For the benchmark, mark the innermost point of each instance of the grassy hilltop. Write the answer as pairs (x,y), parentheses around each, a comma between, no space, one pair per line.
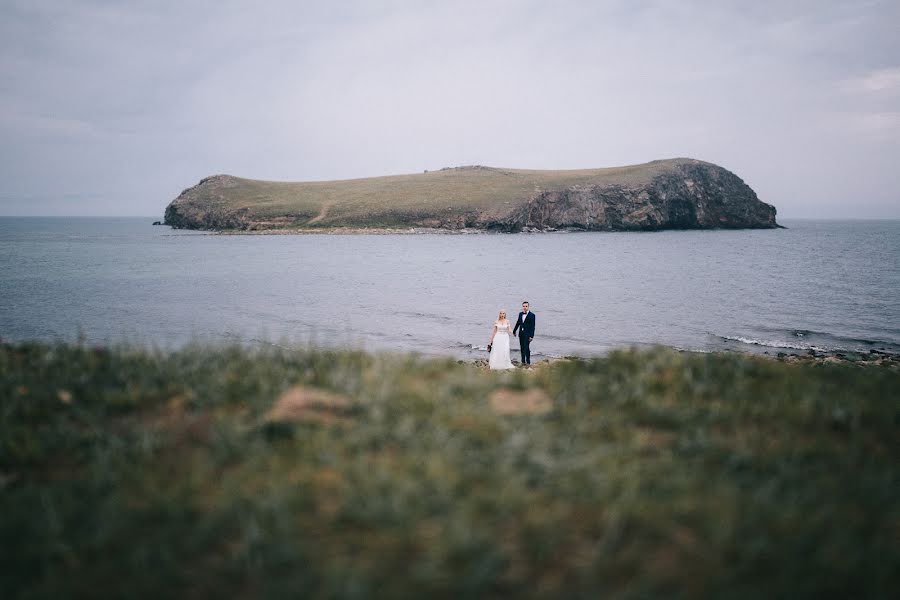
(227,472)
(677,193)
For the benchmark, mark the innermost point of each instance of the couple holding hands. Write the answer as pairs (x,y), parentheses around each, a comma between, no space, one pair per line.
(499,344)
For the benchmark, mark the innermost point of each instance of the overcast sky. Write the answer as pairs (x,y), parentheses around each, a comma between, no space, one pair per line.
(112,108)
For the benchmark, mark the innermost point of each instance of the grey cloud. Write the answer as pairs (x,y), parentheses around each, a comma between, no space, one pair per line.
(110,107)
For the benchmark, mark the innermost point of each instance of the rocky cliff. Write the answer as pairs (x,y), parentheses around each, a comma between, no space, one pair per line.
(668,194)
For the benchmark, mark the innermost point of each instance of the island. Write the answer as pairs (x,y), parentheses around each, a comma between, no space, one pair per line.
(680,193)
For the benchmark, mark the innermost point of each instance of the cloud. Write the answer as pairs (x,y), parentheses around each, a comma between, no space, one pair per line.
(878,126)
(134,102)
(879,81)
(876,95)
(37,126)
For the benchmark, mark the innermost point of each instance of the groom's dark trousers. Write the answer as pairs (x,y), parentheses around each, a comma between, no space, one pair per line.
(526,332)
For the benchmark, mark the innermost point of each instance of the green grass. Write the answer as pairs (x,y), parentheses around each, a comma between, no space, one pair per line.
(138,473)
(402,200)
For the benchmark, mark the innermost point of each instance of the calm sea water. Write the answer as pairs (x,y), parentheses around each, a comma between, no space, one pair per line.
(818,284)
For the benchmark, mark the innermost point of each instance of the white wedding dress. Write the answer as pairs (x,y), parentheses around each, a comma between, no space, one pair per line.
(500,349)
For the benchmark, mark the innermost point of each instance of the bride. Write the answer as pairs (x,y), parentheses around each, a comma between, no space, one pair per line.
(499,344)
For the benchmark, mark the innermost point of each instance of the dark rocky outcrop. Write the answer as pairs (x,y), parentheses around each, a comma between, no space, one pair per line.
(694,196)
(207,205)
(671,194)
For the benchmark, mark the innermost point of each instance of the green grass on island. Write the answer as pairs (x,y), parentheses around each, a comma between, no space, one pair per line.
(363,202)
(215,472)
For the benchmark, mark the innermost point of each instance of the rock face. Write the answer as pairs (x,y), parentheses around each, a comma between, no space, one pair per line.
(694,196)
(671,194)
(207,206)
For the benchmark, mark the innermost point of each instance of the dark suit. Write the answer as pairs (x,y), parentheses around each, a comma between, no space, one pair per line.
(526,332)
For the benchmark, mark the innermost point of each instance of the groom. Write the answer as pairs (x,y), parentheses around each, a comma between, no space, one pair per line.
(525,325)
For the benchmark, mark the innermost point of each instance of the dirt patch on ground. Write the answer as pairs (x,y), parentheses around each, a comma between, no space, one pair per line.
(322,214)
(649,438)
(515,402)
(306,404)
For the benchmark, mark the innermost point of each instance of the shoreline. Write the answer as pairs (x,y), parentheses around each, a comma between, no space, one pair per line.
(876,358)
(411,231)
(351,231)
(859,358)
(439,230)
(870,358)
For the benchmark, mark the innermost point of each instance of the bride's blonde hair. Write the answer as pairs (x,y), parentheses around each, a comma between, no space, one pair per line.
(502,314)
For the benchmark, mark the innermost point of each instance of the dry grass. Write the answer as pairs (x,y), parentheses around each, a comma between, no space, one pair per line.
(395,199)
(302,403)
(514,402)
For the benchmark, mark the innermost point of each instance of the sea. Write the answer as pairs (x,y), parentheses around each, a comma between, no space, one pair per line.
(829,286)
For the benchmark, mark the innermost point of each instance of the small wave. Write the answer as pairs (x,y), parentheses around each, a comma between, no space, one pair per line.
(423,315)
(567,339)
(773,343)
(693,350)
(805,339)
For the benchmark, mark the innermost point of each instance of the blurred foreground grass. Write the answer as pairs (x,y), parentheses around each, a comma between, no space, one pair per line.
(140,473)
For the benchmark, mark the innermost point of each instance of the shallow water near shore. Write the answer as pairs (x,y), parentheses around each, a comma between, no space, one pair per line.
(821,285)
